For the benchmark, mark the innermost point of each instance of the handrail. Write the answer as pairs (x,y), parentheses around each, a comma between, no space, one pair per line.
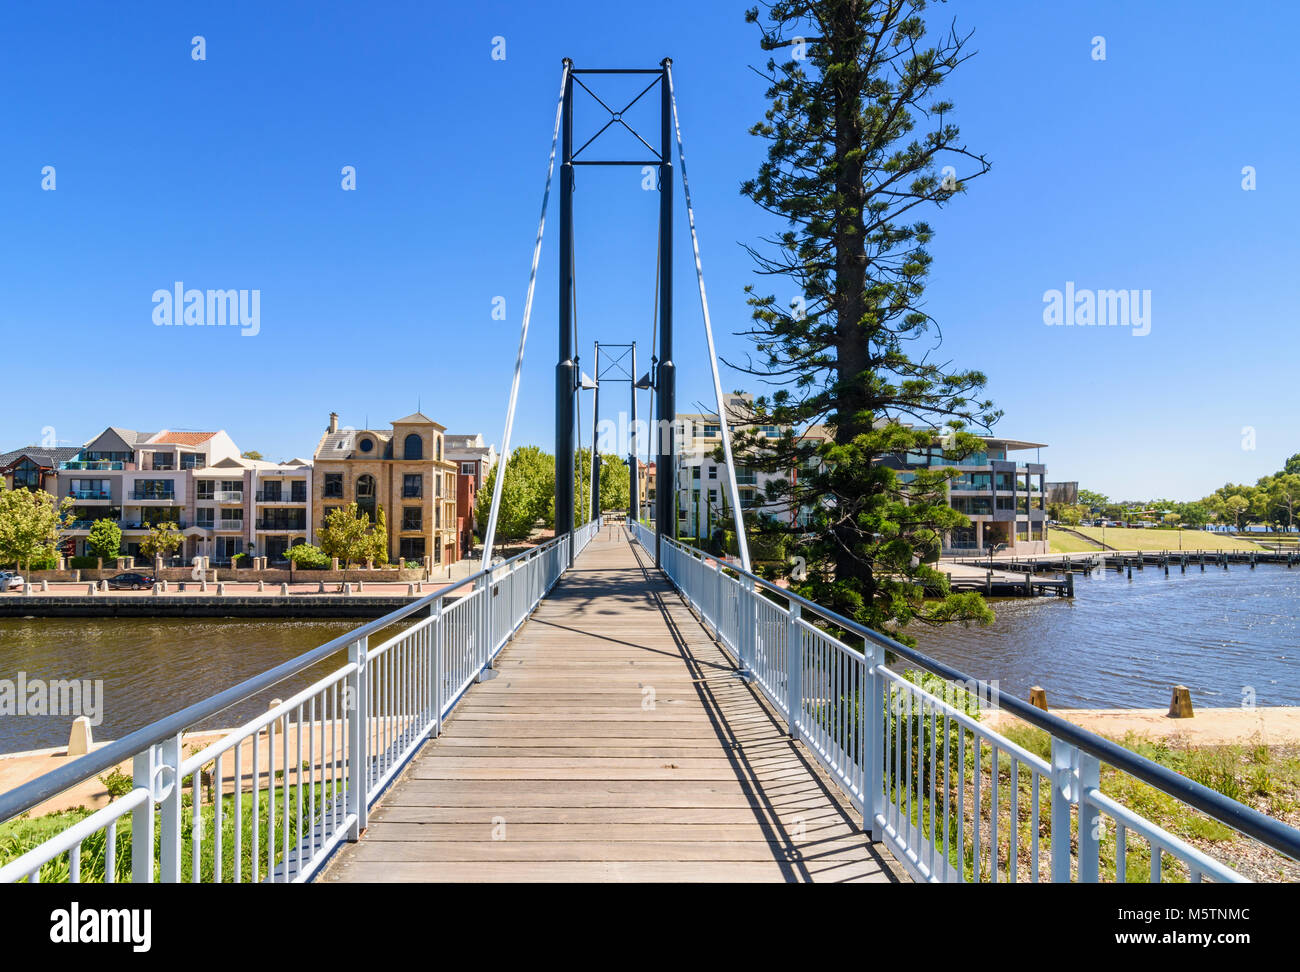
(44,787)
(1240,817)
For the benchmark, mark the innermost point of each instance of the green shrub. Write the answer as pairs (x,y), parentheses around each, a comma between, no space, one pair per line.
(117,783)
(304,556)
(86,563)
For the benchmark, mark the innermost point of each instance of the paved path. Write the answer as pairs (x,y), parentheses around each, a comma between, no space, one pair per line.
(616,744)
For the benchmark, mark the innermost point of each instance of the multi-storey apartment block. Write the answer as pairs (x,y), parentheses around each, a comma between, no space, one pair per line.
(403,469)
(1003,498)
(139,479)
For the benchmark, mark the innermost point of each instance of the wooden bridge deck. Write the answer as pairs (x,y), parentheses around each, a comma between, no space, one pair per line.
(617,744)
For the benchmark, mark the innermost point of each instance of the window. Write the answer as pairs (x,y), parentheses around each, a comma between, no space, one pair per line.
(438,440)
(412,548)
(437,516)
(412,486)
(232,485)
(711,431)
(88,489)
(298,491)
(333,486)
(695,473)
(713,472)
(413,447)
(231,516)
(271,491)
(191,460)
(153,489)
(437,486)
(468,468)
(770,430)
(366,487)
(205,489)
(412,518)
(204,517)
(164,460)
(227,547)
(27,475)
(366,445)
(326,514)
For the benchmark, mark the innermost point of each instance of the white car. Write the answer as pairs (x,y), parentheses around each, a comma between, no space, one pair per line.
(10,582)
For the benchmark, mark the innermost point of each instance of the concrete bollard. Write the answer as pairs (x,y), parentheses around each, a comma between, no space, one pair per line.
(27,588)
(1180,705)
(203,587)
(419,587)
(347,590)
(321,588)
(103,586)
(165,588)
(261,586)
(81,738)
(156,589)
(284,590)
(45,587)
(361,587)
(221,590)
(90,589)
(410,589)
(1038,697)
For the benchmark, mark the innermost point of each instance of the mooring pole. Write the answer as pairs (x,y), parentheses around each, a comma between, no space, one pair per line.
(565,383)
(666,472)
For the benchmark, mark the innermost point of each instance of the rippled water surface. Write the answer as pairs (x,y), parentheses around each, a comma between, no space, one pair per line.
(151,668)
(1123,644)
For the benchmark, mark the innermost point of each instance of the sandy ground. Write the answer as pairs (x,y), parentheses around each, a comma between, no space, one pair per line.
(1208,727)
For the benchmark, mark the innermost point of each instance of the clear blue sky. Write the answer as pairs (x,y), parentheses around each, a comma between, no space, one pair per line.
(225,173)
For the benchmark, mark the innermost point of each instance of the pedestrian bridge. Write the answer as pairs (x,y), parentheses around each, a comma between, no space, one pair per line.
(617,742)
(578,714)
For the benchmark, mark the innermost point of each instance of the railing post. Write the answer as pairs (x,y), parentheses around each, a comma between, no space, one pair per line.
(1063,786)
(873,776)
(793,669)
(717,594)
(438,639)
(169,849)
(1088,777)
(142,772)
(357,709)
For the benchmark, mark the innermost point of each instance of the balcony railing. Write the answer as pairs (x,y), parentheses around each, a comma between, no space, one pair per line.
(229,525)
(83,494)
(229,496)
(263,496)
(153,494)
(147,525)
(281,526)
(92,464)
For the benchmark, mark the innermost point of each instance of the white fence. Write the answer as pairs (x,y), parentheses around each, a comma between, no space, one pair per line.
(272,799)
(953,799)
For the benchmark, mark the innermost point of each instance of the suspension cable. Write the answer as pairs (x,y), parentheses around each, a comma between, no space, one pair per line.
(523,335)
(654,360)
(742,542)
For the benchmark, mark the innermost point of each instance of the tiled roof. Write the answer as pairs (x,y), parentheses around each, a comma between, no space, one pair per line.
(46,456)
(181,438)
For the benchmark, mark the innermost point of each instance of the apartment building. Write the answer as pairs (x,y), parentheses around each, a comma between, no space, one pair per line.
(474,459)
(403,469)
(1004,498)
(250,506)
(138,480)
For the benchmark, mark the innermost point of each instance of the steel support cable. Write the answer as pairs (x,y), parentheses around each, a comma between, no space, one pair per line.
(742,541)
(490,537)
(654,360)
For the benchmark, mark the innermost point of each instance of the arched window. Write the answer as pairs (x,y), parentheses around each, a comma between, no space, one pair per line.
(365,487)
(413,447)
(439,440)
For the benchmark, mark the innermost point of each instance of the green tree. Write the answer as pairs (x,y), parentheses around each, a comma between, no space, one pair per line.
(251,454)
(1237,508)
(530,478)
(852,177)
(304,556)
(615,488)
(161,540)
(105,539)
(379,538)
(1093,501)
(31,524)
(346,535)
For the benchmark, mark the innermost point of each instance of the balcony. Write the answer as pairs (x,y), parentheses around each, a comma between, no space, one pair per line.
(282,526)
(92,464)
(229,496)
(263,496)
(153,495)
(90,494)
(147,525)
(228,526)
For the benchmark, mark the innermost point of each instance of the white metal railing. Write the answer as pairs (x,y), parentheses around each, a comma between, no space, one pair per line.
(228,496)
(953,799)
(272,799)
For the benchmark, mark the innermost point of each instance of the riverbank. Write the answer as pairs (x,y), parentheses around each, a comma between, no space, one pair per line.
(1269,726)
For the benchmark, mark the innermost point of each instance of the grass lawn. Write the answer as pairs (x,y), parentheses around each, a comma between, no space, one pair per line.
(1121,538)
(1062,542)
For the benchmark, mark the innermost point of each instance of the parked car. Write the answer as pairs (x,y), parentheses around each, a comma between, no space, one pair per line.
(10,582)
(132,581)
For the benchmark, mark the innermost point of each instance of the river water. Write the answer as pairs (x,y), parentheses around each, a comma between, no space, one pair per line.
(1118,643)
(1229,635)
